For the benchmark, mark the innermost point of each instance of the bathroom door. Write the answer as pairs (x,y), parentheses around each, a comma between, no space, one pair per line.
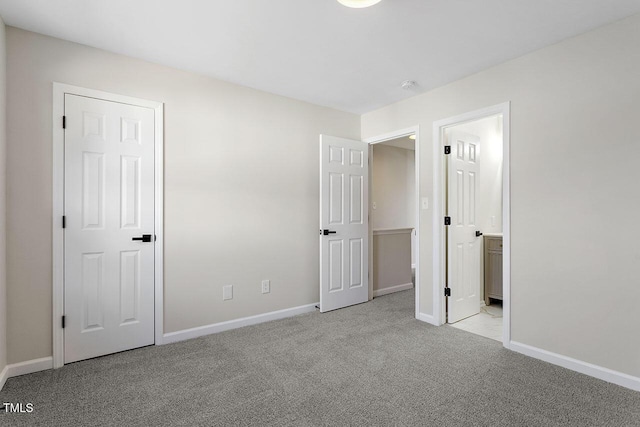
(463,245)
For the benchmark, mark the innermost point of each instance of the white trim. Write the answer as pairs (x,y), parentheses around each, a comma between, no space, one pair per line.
(59,91)
(24,368)
(4,376)
(29,367)
(215,328)
(392,289)
(385,231)
(576,365)
(428,319)
(414,130)
(159,223)
(506,224)
(58,234)
(438,203)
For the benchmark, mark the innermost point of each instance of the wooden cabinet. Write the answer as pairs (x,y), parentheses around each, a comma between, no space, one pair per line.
(492,268)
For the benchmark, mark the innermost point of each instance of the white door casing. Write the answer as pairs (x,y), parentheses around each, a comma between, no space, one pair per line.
(440,178)
(344,212)
(415,130)
(464,247)
(108,201)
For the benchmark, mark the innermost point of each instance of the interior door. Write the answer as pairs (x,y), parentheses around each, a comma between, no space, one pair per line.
(109,234)
(463,245)
(344,222)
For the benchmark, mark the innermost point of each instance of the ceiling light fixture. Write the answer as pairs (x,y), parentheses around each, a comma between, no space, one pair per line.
(358,3)
(412,137)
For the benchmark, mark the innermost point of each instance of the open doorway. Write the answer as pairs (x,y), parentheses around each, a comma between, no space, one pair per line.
(345,229)
(473,191)
(393,214)
(471,255)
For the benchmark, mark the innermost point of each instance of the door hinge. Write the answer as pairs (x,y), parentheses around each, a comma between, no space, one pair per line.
(447,220)
(64,122)
(63,321)
(447,292)
(447,149)
(64,221)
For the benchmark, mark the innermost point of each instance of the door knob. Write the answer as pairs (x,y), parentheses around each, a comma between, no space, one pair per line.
(143,238)
(478,233)
(327,232)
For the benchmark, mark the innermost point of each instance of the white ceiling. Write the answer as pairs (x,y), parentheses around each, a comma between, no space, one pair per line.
(318,50)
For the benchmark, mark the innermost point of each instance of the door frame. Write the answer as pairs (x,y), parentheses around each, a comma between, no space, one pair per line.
(439,252)
(413,130)
(59,92)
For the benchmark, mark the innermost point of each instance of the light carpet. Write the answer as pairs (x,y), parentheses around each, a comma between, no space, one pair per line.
(372,364)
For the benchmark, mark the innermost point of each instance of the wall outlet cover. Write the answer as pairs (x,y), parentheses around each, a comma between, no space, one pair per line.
(227,292)
(266,286)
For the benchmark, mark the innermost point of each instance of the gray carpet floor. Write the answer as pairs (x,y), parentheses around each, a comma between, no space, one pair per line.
(372,364)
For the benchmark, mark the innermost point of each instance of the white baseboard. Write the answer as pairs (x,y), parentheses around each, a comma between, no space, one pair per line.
(586,368)
(428,319)
(215,328)
(392,289)
(30,366)
(4,375)
(24,368)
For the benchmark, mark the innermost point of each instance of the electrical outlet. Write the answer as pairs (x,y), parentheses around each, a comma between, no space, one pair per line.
(425,203)
(227,292)
(266,286)
(374,206)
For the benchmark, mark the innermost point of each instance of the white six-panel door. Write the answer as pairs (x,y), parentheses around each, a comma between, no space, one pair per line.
(464,247)
(109,202)
(344,213)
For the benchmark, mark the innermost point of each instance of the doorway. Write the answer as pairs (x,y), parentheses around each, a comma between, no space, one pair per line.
(394,228)
(471,237)
(392,215)
(345,229)
(107,223)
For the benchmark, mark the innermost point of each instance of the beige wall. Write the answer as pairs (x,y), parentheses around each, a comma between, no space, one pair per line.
(3,206)
(574,197)
(393,187)
(241,187)
(391,259)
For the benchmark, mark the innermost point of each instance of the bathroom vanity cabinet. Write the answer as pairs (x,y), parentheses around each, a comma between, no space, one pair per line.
(492,267)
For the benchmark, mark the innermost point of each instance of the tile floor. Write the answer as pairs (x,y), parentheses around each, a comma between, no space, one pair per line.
(488,323)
